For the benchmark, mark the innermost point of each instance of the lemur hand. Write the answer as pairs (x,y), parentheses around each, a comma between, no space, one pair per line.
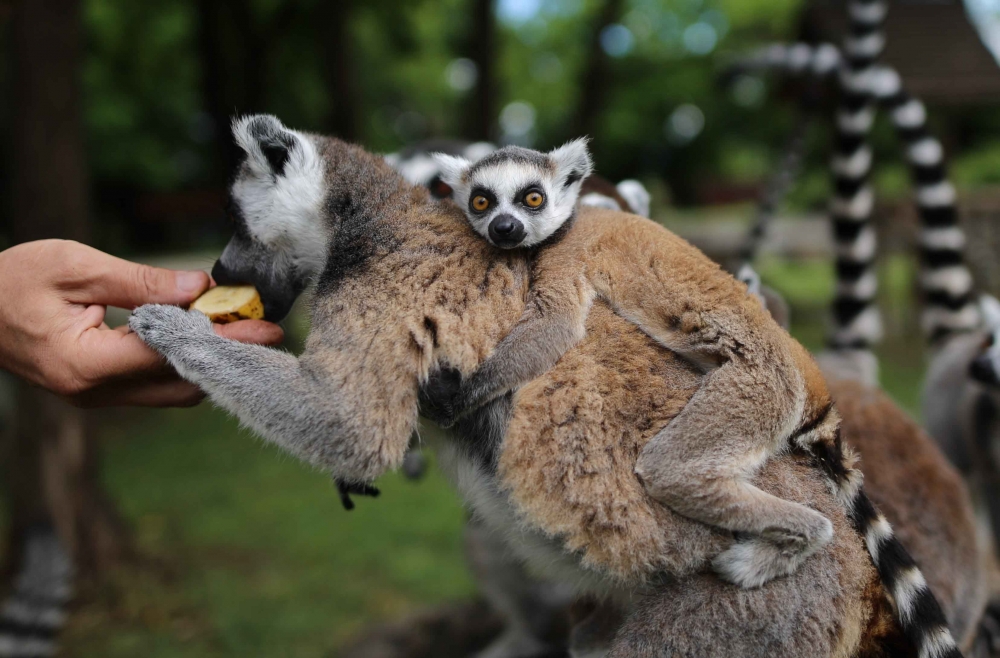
(345,489)
(441,397)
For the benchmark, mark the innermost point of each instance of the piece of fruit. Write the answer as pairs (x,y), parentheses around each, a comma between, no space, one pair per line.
(224,304)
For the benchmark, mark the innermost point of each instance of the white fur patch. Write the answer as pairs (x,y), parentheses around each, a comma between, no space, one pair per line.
(910,114)
(989,306)
(867,13)
(909,585)
(937,642)
(884,82)
(596,200)
(28,647)
(951,237)
(936,317)
(877,534)
(927,152)
(856,123)
(865,288)
(869,45)
(826,59)
(937,195)
(859,207)
(637,196)
(867,326)
(955,280)
(799,56)
(283,211)
(856,165)
(862,248)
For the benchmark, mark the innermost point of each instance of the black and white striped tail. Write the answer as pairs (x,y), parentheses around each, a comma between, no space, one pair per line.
(915,607)
(34,612)
(945,279)
(857,322)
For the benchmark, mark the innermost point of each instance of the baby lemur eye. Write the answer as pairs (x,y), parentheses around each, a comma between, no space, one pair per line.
(480,203)
(533,199)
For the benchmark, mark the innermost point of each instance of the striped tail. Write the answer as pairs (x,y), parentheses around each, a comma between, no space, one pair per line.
(34,612)
(945,279)
(917,611)
(857,323)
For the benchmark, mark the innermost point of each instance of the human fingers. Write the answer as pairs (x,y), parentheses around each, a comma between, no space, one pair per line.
(93,277)
(257,332)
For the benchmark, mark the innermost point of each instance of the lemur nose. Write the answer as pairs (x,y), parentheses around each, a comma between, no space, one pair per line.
(504,226)
(223,276)
(506,231)
(984,370)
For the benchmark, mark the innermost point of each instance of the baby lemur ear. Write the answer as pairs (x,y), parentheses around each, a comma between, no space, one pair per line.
(269,145)
(452,168)
(572,162)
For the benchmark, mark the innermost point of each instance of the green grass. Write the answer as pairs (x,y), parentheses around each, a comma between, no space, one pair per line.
(249,553)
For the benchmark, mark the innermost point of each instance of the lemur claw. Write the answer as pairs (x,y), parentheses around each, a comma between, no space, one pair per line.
(346,489)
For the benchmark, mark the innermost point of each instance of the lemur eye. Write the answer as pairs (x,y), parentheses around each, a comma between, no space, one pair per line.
(534,199)
(480,203)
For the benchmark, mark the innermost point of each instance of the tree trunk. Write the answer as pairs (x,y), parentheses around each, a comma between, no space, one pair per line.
(338,66)
(482,116)
(594,80)
(52,460)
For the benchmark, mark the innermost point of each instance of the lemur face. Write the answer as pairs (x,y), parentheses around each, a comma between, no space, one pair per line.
(275,203)
(985,368)
(516,197)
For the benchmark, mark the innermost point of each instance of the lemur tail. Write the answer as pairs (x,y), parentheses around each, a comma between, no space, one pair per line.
(945,279)
(917,611)
(34,612)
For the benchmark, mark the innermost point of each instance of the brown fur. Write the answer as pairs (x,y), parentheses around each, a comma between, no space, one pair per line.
(409,287)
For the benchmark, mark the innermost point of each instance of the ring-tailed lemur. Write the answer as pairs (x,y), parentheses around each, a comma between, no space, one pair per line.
(530,197)
(418,166)
(377,248)
(519,197)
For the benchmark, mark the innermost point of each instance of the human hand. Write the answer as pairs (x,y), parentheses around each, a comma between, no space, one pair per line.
(53,298)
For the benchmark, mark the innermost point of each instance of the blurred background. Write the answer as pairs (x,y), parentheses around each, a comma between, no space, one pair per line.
(189,536)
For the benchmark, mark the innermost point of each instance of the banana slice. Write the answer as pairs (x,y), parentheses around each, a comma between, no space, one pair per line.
(224,304)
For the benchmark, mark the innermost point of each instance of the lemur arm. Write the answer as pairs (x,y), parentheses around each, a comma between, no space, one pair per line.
(295,403)
(553,321)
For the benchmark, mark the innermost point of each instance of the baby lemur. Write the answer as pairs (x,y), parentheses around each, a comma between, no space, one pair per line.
(754,404)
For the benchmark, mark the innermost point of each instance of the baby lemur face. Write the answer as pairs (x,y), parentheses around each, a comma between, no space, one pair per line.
(517,197)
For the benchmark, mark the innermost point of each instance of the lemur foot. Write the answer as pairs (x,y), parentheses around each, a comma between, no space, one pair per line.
(346,489)
(776,552)
(164,328)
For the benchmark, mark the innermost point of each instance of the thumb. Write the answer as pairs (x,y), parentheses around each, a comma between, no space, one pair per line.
(98,278)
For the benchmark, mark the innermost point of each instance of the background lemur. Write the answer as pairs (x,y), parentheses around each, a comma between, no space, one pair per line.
(518,197)
(315,209)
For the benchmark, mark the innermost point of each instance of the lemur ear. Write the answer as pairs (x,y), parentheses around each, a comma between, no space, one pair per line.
(572,162)
(453,168)
(269,145)
(989,306)
(637,196)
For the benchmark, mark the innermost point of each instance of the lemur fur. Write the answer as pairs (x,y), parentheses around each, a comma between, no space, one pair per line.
(763,399)
(405,287)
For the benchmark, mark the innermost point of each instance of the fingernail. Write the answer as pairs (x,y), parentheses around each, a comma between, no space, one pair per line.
(190,281)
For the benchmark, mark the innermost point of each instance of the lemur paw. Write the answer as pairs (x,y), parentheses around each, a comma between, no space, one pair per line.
(164,327)
(440,397)
(346,489)
(754,561)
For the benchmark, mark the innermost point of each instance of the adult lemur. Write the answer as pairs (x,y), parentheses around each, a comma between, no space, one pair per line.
(403,286)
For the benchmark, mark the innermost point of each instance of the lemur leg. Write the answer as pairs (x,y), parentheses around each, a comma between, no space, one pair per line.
(705,476)
(553,321)
(294,403)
